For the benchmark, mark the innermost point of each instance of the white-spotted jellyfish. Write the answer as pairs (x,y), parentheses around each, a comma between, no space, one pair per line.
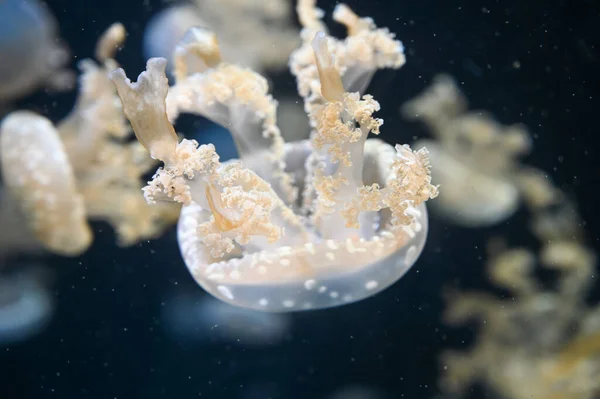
(305,225)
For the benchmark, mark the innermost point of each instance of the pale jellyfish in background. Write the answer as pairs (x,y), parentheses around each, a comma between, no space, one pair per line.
(297,226)
(39,177)
(256,34)
(26,305)
(542,340)
(167,28)
(197,317)
(83,167)
(31,53)
(474,157)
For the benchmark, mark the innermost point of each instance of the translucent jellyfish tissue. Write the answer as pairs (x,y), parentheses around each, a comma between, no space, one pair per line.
(304,225)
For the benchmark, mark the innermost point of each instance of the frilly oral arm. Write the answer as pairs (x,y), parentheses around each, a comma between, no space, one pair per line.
(356,58)
(234,97)
(342,127)
(242,205)
(366,49)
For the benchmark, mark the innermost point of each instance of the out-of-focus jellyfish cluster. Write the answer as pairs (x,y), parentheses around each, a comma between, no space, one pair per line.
(84,167)
(255,34)
(304,225)
(32,54)
(543,339)
(538,342)
(475,159)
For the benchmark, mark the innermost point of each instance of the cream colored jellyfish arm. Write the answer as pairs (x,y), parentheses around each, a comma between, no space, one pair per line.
(110,41)
(241,204)
(37,174)
(343,125)
(97,115)
(234,97)
(365,50)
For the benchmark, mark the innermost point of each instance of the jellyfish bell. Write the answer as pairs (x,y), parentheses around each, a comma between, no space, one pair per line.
(257,34)
(37,173)
(310,275)
(470,197)
(30,51)
(167,28)
(26,306)
(474,157)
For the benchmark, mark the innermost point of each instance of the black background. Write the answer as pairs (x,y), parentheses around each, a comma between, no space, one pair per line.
(107,339)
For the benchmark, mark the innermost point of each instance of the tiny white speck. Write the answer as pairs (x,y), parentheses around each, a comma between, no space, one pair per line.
(371,285)
(347,298)
(225,292)
(263,302)
(310,284)
(334,294)
(322,289)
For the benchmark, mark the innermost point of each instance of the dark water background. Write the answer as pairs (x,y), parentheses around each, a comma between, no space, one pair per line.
(108,339)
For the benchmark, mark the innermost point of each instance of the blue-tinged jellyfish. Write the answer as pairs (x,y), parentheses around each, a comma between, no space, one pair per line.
(31,52)
(201,318)
(256,34)
(26,306)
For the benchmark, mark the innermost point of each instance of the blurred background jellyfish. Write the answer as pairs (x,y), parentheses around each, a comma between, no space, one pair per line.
(83,167)
(256,34)
(200,318)
(473,157)
(26,304)
(542,340)
(32,54)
